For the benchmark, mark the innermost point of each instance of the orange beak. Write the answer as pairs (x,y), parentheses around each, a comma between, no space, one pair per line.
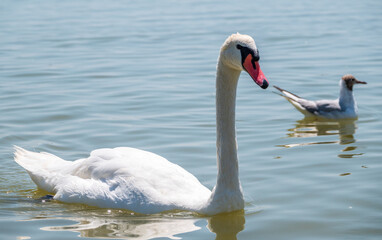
(253,69)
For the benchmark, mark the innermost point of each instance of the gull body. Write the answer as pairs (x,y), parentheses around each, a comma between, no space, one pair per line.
(344,107)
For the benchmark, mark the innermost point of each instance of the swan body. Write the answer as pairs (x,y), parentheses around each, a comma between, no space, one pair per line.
(144,182)
(345,107)
(122,177)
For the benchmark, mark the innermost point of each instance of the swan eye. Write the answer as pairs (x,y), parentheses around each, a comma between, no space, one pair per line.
(245,51)
(256,57)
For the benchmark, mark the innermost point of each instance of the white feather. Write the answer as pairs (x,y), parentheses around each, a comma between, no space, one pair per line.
(142,181)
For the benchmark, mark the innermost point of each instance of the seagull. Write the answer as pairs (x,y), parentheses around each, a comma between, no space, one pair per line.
(345,107)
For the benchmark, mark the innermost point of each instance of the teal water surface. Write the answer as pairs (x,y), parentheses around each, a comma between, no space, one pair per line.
(81,75)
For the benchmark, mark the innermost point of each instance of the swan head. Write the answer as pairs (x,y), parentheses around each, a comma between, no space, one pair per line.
(349,81)
(240,53)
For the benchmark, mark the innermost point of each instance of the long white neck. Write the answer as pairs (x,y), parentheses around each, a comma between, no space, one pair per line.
(227,194)
(346,99)
(226,83)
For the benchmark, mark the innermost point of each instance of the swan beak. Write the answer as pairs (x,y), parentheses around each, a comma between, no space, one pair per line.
(254,70)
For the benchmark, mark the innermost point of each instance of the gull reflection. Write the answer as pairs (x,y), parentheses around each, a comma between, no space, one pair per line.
(309,128)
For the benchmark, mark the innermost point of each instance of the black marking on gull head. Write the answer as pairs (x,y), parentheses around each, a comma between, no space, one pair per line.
(349,81)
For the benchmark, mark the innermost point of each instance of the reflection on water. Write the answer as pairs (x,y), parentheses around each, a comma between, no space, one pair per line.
(312,128)
(123,224)
(308,128)
(227,226)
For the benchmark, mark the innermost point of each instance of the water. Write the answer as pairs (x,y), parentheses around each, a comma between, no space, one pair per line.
(81,75)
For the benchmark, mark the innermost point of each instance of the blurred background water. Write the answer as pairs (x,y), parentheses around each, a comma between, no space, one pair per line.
(81,75)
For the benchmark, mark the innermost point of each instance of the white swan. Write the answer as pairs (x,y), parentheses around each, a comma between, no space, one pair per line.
(344,107)
(144,182)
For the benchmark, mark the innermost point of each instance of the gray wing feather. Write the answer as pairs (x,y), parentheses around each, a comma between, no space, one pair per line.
(314,107)
(319,107)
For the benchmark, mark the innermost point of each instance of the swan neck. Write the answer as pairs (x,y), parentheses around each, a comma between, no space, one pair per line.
(227,195)
(227,161)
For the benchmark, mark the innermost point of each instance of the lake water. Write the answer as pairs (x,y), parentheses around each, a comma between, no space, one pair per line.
(81,75)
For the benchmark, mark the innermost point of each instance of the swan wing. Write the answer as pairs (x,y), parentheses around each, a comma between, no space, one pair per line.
(125,178)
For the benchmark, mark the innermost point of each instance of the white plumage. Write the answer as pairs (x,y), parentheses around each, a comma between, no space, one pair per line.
(122,177)
(144,182)
(345,107)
